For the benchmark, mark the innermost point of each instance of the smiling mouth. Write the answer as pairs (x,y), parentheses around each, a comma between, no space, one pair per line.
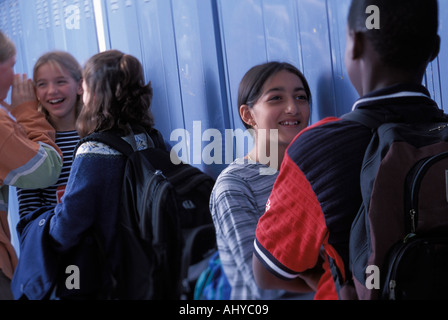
(56,101)
(289,123)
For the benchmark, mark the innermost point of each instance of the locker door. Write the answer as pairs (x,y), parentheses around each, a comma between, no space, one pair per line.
(176,42)
(307,33)
(441,64)
(37,26)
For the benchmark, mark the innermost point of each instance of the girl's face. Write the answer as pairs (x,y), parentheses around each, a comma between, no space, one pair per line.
(283,105)
(57,91)
(6,76)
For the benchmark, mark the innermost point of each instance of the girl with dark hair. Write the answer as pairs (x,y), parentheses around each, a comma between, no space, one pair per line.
(117,96)
(266,108)
(273,97)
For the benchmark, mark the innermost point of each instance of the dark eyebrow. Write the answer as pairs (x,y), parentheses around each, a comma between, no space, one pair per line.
(283,89)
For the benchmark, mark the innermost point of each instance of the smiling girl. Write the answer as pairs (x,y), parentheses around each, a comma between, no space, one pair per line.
(272,98)
(58,81)
(280,105)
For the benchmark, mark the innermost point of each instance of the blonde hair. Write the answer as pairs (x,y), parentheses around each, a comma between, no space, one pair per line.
(61,60)
(7,48)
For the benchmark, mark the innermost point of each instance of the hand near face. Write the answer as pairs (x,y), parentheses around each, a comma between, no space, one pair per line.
(22,91)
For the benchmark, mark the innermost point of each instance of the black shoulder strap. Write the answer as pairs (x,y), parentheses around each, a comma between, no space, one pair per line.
(157,139)
(368,118)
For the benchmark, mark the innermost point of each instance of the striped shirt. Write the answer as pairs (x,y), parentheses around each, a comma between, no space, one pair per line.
(31,199)
(237,201)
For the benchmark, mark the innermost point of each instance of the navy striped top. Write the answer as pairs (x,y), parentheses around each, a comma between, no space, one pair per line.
(31,199)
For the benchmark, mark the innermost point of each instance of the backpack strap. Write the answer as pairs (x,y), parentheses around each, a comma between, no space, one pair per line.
(369,118)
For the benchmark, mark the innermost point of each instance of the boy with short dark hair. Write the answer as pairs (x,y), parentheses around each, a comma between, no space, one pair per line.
(317,193)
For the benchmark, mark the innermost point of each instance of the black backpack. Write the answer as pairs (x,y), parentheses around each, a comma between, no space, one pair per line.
(399,239)
(165,227)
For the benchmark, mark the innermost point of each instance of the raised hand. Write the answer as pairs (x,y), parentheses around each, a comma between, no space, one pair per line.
(22,91)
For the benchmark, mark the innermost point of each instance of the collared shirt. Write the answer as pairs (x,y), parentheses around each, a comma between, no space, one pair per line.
(317,193)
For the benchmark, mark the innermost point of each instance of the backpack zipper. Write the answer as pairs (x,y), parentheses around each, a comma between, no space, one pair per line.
(146,195)
(439,128)
(398,253)
(392,285)
(415,187)
(164,184)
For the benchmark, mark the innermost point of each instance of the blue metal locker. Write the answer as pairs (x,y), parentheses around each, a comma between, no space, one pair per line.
(195,53)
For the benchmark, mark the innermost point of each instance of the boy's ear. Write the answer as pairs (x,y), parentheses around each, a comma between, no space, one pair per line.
(356,44)
(436,50)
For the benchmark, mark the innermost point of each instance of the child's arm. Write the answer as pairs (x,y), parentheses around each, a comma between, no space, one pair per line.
(28,154)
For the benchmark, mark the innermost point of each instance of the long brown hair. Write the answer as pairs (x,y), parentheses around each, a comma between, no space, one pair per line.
(61,60)
(118,95)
